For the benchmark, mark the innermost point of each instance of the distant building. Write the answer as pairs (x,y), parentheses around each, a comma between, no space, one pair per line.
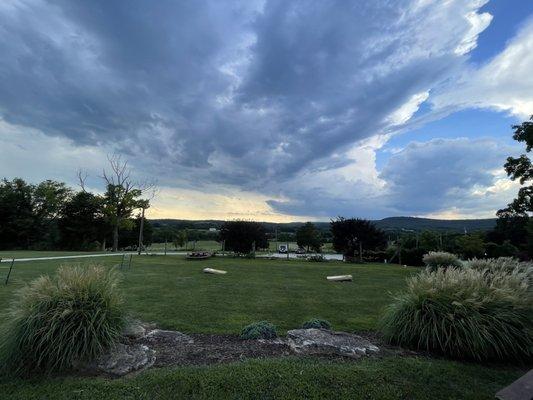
(213,229)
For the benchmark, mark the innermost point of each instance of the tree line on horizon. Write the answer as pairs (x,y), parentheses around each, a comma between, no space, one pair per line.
(50,215)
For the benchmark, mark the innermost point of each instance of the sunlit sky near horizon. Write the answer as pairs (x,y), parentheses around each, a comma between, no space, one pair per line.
(273,110)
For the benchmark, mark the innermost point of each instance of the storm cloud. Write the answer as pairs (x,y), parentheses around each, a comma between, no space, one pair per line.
(258,95)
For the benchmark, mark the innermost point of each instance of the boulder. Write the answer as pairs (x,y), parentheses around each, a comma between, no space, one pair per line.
(123,359)
(134,330)
(323,341)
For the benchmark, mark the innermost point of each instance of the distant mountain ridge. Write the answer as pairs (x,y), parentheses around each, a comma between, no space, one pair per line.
(388,224)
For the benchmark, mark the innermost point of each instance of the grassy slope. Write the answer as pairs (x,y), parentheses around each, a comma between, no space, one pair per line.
(174,293)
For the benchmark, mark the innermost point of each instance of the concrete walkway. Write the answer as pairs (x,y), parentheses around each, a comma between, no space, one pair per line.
(8,260)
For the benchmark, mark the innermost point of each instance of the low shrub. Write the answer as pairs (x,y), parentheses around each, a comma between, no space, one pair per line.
(441,259)
(55,323)
(462,314)
(316,323)
(259,330)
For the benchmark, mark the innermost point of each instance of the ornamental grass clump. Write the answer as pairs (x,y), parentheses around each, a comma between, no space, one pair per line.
(464,314)
(57,323)
(441,259)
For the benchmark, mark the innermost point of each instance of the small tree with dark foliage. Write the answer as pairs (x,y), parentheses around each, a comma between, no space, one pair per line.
(349,234)
(307,236)
(239,236)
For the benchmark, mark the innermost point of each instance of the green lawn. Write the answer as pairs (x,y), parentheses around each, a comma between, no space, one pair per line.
(173,292)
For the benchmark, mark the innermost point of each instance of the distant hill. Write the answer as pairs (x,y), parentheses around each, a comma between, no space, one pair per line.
(421,224)
(388,224)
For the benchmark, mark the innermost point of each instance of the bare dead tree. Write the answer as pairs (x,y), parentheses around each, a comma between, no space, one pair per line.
(82,178)
(123,195)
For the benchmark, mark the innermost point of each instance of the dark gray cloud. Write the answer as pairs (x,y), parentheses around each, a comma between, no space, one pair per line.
(246,93)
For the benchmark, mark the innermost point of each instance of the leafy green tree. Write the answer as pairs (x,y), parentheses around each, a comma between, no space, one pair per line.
(518,213)
(521,169)
(82,226)
(349,233)
(470,246)
(16,214)
(49,198)
(307,236)
(240,236)
(180,238)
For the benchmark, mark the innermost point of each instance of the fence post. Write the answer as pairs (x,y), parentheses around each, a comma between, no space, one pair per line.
(10,268)
(129,264)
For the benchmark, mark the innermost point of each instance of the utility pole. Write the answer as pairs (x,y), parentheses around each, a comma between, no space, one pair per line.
(141,233)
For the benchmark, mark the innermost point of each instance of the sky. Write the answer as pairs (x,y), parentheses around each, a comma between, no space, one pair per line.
(272,110)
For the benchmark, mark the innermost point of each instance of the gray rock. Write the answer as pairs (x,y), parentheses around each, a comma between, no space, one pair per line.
(169,337)
(123,359)
(134,330)
(323,341)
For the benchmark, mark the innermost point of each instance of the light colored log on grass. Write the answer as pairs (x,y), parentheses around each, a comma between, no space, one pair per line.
(214,271)
(340,278)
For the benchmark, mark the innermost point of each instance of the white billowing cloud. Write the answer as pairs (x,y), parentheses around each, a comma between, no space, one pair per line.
(505,83)
(449,176)
(478,23)
(406,111)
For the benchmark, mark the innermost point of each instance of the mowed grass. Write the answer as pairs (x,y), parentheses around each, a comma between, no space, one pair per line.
(175,294)
(378,379)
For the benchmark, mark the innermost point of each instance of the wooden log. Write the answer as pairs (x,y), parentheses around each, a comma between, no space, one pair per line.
(340,278)
(214,271)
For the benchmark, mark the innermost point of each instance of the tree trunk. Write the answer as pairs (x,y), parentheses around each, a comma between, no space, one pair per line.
(115,238)
(140,246)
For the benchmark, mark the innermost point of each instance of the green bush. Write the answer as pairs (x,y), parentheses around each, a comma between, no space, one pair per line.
(316,323)
(462,314)
(55,323)
(259,330)
(441,259)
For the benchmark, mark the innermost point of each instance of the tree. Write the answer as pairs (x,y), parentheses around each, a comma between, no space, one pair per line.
(308,236)
(122,196)
(240,236)
(82,226)
(521,169)
(470,246)
(349,234)
(49,198)
(16,214)
(180,238)
(515,219)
